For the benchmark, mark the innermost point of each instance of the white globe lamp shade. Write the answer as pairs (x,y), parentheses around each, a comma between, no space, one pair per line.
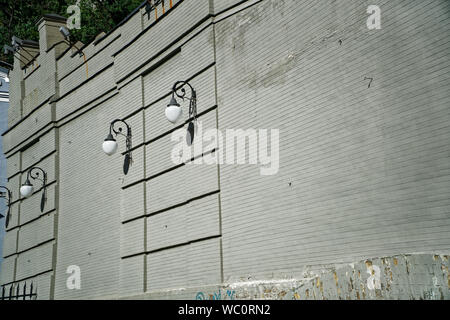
(109,145)
(173,111)
(26,189)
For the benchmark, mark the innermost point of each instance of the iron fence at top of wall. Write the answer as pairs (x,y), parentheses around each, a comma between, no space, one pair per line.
(159,7)
(13,293)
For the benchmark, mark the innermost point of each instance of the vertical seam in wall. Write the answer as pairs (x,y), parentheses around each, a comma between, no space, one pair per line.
(19,203)
(145,186)
(18,220)
(22,96)
(56,199)
(218,165)
(56,219)
(16,258)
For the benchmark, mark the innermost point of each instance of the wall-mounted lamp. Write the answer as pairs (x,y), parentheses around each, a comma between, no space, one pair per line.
(17,44)
(18,47)
(7,195)
(66,35)
(65,32)
(174,111)
(27,188)
(7,49)
(110,144)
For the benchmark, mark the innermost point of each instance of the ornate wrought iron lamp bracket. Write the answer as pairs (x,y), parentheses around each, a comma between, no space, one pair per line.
(117,126)
(179,86)
(34,173)
(7,195)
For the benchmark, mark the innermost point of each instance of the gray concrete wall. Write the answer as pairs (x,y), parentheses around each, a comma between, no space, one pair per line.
(364,170)
(4,90)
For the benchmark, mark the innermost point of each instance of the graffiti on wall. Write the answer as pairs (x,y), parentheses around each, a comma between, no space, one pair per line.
(217,295)
(417,276)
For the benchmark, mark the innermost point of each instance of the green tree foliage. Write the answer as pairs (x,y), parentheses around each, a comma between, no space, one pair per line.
(19,17)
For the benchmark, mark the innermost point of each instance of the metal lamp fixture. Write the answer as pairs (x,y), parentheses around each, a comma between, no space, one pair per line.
(110,143)
(174,111)
(7,195)
(66,34)
(18,47)
(7,49)
(27,188)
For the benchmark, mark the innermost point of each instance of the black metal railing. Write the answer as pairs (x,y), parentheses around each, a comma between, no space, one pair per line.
(159,7)
(13,292)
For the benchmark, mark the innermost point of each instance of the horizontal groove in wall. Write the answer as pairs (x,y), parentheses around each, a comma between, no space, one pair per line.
(30,248)
(161,62)
(26,116)
(168,170)
(30,221)
(165,96)
(165,171)
(34,164)
(181,125)
(235,12)
(188,79)
(47,128)
(29,144)
(35,192)
(232,7)
(84,82)
(181,164)
(146,29)
(59,124)
(172,207)
(172,246)
(33,71)
(29,277)
(164,49)
(87,60)
(179,47)
(171,130)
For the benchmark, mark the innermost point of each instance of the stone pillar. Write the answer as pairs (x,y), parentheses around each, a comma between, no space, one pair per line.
(49,35)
